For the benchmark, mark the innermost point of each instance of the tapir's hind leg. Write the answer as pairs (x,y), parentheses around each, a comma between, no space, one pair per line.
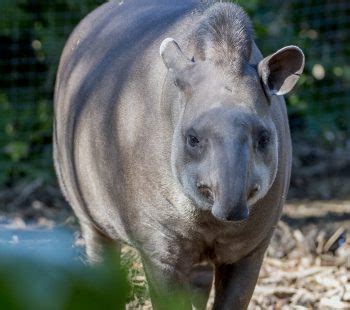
(96,244)
(201,282)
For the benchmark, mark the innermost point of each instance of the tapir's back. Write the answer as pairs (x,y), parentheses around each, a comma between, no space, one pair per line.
(108,84)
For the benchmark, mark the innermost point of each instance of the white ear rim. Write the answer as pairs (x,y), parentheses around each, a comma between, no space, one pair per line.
(297,48)
(172,55)
(299,72)
(265,74)
(164,45)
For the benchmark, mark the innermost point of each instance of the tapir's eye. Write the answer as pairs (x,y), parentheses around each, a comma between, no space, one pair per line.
(192,141)
(263,140)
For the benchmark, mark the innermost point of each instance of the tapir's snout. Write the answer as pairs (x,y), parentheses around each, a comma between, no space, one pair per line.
(225,210)
(238,212)
(228,182)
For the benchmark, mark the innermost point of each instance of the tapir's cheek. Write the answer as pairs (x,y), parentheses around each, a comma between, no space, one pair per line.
(270,156)
(265,169)
(188,175)
(273,165)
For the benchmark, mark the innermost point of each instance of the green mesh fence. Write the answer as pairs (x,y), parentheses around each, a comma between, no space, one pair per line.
(319,106)
(32,35)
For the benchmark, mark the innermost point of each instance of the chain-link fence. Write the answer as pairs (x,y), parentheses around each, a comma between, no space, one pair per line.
(33,32)
(321,28)
(32,35)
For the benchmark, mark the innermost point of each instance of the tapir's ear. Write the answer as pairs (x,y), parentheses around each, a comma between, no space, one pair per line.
(280,71)
(175,61)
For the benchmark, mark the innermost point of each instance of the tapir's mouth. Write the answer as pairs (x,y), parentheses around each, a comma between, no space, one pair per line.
(206,192)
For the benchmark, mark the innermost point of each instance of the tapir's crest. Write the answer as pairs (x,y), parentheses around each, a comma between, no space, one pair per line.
(186,156)
(224,36)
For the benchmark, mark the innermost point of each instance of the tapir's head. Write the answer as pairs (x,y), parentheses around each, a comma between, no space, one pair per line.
(225,145)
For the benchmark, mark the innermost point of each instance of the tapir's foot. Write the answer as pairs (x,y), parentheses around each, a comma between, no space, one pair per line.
(201,280)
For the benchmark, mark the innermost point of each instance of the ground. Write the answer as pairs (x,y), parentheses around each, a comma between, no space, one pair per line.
(308,262)
(307,265)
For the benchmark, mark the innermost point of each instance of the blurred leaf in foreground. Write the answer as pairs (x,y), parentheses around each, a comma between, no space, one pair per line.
(28,284)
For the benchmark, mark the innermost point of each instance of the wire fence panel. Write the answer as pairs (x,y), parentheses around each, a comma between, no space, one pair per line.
(32,35)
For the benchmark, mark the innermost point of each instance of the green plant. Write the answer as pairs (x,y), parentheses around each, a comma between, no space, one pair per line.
(30,284)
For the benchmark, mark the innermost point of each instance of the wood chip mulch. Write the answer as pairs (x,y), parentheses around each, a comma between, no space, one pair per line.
(306,271)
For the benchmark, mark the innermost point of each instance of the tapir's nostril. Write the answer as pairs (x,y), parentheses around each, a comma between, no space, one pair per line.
(254,191)
(206,192)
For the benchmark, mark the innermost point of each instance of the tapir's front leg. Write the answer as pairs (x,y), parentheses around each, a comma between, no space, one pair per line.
(167,285)
(235,283)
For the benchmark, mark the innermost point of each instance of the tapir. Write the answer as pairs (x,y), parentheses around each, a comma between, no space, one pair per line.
(171,135)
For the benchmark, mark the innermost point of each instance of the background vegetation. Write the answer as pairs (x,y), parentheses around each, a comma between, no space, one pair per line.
(33,32)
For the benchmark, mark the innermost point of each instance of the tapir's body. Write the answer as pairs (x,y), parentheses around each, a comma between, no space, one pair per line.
(115,115)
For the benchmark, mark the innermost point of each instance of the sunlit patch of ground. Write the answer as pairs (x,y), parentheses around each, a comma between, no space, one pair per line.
(308,262)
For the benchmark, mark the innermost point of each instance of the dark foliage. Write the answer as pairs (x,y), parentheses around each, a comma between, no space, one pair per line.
(33,32)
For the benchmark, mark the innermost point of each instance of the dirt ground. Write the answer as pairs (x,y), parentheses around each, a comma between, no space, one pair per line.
(307,265)
(308,262)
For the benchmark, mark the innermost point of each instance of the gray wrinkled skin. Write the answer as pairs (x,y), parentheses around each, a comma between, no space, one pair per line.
(179,148)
